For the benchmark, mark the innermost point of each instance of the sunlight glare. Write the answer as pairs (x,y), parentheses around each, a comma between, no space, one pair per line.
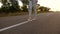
(53,4)
(1,4)
(20,3)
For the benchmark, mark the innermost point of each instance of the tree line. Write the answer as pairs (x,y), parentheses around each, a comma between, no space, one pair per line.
(13,6)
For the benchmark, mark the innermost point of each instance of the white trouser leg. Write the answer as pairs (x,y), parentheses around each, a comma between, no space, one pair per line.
(30,9)
(35,11)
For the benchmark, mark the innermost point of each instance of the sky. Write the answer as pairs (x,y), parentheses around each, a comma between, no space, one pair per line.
(53,4)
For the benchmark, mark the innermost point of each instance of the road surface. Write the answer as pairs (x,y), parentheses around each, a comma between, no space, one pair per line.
(46,23)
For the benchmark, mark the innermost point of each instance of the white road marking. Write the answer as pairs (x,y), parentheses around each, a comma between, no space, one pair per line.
(6,28)
(49,14)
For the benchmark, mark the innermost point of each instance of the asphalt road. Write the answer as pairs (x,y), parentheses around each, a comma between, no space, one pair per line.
(46,23)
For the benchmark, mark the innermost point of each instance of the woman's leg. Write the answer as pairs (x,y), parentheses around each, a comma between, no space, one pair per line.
(35,9)
(30,10)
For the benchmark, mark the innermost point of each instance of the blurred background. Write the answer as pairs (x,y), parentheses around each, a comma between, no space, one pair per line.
(20,7)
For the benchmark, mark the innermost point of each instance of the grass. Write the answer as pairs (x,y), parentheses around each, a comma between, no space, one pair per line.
(16,14)
(13,14)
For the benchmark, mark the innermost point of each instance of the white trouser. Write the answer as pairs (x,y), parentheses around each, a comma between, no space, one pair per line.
(32,5)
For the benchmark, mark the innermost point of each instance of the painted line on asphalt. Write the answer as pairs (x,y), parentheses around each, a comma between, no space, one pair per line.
(49,14)
(6,28)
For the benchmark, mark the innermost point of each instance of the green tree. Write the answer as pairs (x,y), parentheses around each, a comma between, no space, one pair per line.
(9,5)
(42,8)
(4,2)
(25,9)
(15,4)
(25,3)
(38,6)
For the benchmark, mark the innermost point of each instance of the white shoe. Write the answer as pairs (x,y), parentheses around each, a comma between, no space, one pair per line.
(29,19)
